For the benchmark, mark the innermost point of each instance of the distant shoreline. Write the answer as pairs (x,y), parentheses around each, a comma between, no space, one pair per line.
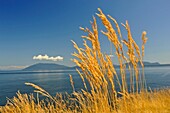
(35,72)
(61,71)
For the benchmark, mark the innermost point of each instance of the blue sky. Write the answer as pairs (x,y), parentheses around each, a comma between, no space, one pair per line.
(33,27)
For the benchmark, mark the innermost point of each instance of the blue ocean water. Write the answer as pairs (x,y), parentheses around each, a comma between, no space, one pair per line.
(11,82)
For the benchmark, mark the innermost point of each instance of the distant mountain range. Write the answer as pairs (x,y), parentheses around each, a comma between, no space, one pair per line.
(46,66)
(53,66)
(149,64)
(154,64)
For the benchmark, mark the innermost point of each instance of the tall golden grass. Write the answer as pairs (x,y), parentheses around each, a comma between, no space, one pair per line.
(108,91)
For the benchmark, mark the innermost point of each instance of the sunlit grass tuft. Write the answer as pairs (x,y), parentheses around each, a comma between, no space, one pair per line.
(106,89)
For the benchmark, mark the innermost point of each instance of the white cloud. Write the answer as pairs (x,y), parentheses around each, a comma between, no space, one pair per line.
(111,55)
(46,57)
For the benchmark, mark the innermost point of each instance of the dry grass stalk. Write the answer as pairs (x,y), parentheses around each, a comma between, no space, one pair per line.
(97,67)
(40,90)
(72,83)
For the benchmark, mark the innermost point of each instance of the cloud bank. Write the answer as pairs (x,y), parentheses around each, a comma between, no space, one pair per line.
(12,67)
(46,57)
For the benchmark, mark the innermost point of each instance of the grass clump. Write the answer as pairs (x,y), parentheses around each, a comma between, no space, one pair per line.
(105,91)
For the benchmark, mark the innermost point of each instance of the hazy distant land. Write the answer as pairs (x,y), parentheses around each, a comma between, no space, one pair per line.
(54,68)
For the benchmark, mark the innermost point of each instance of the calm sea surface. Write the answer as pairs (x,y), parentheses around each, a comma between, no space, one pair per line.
(11,82)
